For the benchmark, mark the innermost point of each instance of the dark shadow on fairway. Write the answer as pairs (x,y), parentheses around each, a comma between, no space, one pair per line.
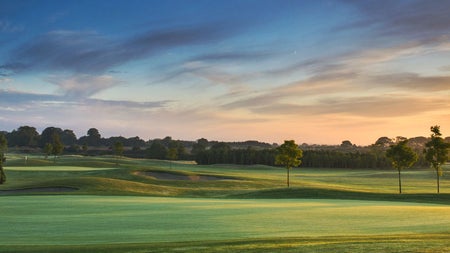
(55,189)
(162,175)
(317,193)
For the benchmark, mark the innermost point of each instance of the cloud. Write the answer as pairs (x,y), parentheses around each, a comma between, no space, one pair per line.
(412,81)
(387,95)
(233,56)
(5,80)
(89,52)
(418,20)
(370,107)
(62,50)
(132,105)
(34,101)
(12,97)
(82,85)
(445,68)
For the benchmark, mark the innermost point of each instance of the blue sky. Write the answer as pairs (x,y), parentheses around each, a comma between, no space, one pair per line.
(313,71)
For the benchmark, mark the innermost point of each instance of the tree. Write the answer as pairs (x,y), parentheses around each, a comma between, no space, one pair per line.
(118,148)
(288,155)
(346,144)
(436,152)
(199,146)
(84,148)
(48,149)
(24,136)
(3,148)
(172,154)
(157,150)
(402,157)
(47,135)
(68,137)
(57,146)
(93,137)
(384,142)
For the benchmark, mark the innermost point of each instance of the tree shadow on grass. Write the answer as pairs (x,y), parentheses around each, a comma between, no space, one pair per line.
(318,193)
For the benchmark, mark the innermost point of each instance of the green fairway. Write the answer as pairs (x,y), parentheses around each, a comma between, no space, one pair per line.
(79,220)
(105,204)
(57,168)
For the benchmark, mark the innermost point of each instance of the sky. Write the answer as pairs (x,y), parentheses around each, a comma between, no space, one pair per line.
(317,72)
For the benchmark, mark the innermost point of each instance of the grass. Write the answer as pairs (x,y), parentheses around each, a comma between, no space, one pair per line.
(117,210)
(104,220)
(433,243)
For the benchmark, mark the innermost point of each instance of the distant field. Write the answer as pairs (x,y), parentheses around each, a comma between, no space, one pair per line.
(113,206)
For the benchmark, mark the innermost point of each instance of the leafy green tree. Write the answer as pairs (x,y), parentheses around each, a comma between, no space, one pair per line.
(199,146)
(68,137)
(3,149)
(57,146)
(346,144)
(48,149)
(157,150)
(24,136)
(118,148)
(384,142)
(288,155)
(93,137)
(47,135)
(402,157)
(436,152)
(172,154)
(84,148)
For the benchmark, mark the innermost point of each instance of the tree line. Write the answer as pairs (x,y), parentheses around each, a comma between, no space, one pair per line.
(400,153)
(55,141)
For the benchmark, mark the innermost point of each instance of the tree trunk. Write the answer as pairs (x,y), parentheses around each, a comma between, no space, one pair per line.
(437,180)
(287,177)
(399,183)
(2,175)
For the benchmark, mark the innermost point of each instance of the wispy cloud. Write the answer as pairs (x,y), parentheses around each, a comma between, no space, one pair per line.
(370,107)
(89,52)
(234,56)
(82,85)
(419,20)
(383,95)
(15,98)
(412,82)
(5,79)
(34,100)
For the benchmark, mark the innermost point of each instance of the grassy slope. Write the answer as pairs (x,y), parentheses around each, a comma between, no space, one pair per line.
(255,182)
(102,175)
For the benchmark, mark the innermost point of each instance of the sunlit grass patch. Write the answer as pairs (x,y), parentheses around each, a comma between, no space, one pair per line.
(75,220)
(55,168)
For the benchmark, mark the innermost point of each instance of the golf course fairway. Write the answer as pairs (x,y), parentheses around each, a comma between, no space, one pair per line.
(92,204)
(84,220)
